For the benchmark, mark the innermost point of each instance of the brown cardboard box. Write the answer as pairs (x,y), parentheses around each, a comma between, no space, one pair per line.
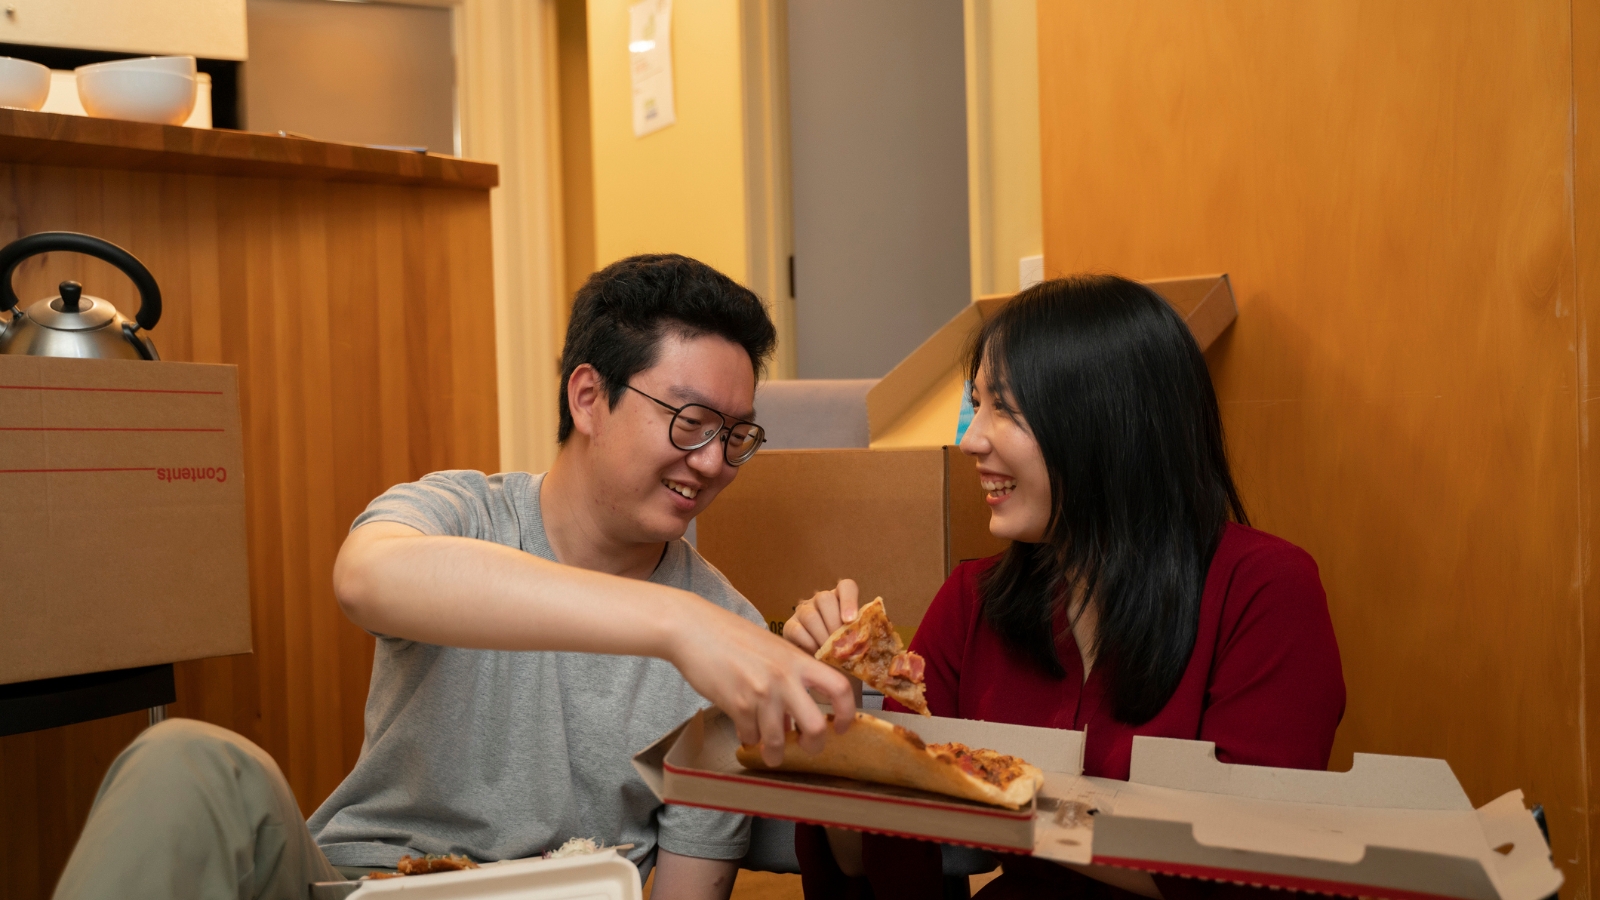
(122,515)
(1393,826)
(896,521)
(916,404)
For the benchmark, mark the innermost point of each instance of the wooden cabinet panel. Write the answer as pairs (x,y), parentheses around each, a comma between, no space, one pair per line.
(361,317)
(1586,241)
(1390,187)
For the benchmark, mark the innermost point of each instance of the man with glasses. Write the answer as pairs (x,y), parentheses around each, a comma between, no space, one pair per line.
(535,631)
(694,426)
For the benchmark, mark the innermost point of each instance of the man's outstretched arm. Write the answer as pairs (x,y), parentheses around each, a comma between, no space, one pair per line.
(392,579)
(692,878)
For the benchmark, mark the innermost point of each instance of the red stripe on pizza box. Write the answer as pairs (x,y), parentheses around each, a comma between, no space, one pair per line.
(1018,815)
(1205,873)
(1263,879)
(995,848)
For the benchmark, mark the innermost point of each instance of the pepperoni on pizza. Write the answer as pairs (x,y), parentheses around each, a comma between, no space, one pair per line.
(869,649)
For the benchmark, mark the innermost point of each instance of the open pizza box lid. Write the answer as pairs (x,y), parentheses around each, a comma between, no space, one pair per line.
(1393,826)
(595,876)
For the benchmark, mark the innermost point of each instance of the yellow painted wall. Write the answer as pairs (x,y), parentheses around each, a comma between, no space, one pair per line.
(1002,140)
(680,189)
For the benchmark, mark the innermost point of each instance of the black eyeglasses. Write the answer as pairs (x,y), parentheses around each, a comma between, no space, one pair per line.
(694,426)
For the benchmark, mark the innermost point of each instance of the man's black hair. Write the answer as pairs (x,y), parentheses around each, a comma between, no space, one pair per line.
(621,313)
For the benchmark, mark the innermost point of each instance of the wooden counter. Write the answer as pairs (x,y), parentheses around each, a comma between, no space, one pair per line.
(353,288)
(56,140)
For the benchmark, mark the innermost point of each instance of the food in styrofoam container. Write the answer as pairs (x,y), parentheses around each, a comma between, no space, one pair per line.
(577,846)
(428,864)
(603,875)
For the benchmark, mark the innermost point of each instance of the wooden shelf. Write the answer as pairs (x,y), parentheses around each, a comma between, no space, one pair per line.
(78,141)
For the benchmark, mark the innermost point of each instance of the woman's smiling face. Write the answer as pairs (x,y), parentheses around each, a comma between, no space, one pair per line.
(1010,465)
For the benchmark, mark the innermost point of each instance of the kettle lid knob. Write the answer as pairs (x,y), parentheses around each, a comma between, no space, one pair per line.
(70,292)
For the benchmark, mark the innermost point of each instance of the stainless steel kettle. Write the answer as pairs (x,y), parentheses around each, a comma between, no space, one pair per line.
(74,323)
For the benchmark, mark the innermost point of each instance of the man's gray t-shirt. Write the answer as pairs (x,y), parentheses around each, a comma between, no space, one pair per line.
(502,755)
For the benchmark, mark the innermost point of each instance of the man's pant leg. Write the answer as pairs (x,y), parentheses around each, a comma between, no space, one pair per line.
(191,810)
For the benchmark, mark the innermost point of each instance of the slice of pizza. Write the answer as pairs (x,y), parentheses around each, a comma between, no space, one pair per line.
(869,649)
(433,862)
(884,753)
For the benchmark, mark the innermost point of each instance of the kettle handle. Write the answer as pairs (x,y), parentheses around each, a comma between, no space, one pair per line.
(45,241)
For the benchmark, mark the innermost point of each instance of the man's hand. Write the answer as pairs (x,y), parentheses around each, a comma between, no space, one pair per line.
(826,612)
(759,680)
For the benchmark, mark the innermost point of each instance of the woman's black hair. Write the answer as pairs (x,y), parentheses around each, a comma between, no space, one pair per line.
(1113,387)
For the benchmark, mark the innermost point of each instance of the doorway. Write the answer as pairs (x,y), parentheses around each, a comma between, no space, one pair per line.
(878,125)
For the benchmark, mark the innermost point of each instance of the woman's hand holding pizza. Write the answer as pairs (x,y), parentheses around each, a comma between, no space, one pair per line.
(826,612)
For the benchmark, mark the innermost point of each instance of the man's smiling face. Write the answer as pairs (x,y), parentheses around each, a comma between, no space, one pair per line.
(651,489)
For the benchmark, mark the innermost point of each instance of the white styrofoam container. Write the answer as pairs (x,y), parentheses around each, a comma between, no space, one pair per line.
(595,876)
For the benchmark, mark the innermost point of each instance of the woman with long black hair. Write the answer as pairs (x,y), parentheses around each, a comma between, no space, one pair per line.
(1134,598)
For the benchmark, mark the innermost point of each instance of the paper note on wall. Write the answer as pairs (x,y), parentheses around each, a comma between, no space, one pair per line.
(650,56)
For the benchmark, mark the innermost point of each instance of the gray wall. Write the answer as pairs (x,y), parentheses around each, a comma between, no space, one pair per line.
(877,105)
(365,73)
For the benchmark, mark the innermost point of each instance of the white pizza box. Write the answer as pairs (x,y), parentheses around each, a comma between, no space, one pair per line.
(596,876)
(1393,826)
(695,766)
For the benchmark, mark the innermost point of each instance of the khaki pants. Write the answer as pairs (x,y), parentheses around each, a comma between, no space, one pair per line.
(191,810)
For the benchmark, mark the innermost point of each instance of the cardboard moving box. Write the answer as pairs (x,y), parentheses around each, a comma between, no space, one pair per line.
(917,403)
(122,511)
(1395,827)
(897,521)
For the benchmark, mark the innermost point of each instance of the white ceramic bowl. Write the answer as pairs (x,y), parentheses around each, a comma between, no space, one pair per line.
(23,84)
(178,65)
(165,98)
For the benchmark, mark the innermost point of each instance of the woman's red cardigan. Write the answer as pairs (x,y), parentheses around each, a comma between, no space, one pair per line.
(1263,683)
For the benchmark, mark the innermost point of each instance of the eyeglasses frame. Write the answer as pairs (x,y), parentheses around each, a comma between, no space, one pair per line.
(725,432)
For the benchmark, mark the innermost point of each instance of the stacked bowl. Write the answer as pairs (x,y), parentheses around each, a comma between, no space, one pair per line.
(23,84)
(158,89)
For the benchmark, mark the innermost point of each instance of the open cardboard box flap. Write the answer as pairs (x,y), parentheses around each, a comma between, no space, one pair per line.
(916,404)
(1392,826)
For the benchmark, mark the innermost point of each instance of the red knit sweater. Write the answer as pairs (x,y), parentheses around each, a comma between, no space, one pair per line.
(1263,682)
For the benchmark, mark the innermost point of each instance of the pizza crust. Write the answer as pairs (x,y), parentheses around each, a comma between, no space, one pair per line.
(885,753)
(880,637)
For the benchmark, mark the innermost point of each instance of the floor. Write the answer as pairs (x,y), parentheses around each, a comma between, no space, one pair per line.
(766,886)
(754,886)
